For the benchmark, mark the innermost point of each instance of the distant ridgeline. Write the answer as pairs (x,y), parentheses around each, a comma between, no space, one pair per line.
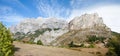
(87,28)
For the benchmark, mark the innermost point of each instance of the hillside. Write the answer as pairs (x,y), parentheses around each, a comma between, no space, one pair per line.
(82,28)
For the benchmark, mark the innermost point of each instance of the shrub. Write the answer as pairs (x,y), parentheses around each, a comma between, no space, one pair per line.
(39,42)
(111,52)
(91,46)
(114,45)
(94,38)
(71,44)
(82,45)
(31,42)
(98,52)
(56,29)
(40,32)
(6,47)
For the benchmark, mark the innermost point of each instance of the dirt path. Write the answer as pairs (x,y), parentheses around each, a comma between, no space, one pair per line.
(37,50)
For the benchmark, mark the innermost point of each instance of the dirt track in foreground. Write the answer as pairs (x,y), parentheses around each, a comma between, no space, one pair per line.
(37,50)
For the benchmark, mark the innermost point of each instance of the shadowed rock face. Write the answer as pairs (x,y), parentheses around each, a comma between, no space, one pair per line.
(42,29)
(81,27)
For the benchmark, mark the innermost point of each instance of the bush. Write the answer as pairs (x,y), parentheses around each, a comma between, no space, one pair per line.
(31,42)
(71,44)
(114,45)
(6,47)
(82,45)
(39,42)
(91,46)
(111,52)
(56,29)
(94,38)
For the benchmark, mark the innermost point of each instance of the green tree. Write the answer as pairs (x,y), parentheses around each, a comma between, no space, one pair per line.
(6,47)
(39,42)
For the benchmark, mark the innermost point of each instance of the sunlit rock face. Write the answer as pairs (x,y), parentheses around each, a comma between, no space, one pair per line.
(30,25)
(87,21)
(81,27)
(58,32)
(27,25)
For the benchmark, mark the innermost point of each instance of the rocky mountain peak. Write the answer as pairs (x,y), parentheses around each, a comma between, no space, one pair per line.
(86,21)
(81,27)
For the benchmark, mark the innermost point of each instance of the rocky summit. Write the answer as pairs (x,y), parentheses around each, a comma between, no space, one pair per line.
(80,28)
(58,32)
(87,21)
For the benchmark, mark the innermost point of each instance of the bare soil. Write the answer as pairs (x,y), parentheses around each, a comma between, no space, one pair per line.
(22,49)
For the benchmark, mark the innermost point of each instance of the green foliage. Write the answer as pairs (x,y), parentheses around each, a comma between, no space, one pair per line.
(39,42)
(71,44)
(30,42)
(6,47)
(20,36)
(114,44)
(116,34)
(91,46)
(82,45)
(56,29)
(94,38)
(41,31)
(111,52)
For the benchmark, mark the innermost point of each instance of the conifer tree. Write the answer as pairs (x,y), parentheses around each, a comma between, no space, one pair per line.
(6,47)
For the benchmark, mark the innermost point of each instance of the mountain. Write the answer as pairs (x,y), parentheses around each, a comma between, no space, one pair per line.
(57,32)
(87,21)
(82,28)
(42,29)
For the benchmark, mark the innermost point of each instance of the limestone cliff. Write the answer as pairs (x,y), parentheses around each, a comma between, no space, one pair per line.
(82,27)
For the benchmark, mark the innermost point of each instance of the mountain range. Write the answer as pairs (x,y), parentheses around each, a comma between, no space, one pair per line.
(58,32)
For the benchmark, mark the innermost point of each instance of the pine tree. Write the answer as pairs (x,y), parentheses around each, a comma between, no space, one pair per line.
(6,47)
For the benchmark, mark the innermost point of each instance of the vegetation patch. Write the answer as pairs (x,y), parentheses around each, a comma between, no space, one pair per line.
(39,42)
(114,45)
(6,47)
(93,39)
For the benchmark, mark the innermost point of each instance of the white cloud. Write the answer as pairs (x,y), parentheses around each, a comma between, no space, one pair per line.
(8,17)
(75,3)
(18,3)
(52,8)
(109,13)
(11,19)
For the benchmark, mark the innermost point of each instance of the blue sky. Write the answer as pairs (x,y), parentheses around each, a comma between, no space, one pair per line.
(13,11)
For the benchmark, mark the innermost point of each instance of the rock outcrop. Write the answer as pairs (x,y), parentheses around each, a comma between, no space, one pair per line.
(30,25)
(87,21)
(45,30)
(82,27)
